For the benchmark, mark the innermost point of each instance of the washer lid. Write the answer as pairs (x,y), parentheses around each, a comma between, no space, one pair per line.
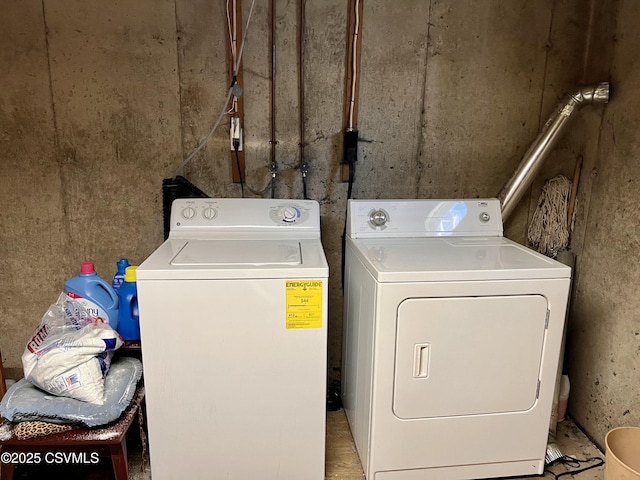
(453,259)
(204,259)
(239,253)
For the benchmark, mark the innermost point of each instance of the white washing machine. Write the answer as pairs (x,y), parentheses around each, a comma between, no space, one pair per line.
(233,317)
(451,341)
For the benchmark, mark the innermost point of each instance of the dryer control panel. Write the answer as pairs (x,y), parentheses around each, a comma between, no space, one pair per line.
(222,216)
(424,218)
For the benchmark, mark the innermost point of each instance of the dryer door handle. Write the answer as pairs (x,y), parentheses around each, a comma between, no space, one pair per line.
(421,354)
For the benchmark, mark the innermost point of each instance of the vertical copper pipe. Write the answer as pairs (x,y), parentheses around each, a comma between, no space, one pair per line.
(301,33)
(272,4)
(304,166)
(352,85)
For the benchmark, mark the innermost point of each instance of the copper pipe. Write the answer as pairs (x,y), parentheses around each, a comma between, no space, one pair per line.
(272,6)
(352,87)
(301,33)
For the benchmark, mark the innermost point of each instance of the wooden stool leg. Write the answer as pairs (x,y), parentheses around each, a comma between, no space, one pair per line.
(119,460)
(6,471)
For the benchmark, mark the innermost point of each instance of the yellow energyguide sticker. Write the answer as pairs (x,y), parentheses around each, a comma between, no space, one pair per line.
(304,303)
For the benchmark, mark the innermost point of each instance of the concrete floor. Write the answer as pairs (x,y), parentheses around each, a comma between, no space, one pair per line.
(342,459)
(343,463)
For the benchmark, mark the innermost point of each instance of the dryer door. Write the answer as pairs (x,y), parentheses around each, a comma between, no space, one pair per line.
(468,355)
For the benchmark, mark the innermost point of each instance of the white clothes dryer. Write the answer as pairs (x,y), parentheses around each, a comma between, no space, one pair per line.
(233,317)
(451,341)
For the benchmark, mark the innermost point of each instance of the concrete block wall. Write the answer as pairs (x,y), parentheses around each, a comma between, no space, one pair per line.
(603,346)
(101,101)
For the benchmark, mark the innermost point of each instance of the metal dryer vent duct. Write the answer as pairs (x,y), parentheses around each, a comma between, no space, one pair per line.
(530,165)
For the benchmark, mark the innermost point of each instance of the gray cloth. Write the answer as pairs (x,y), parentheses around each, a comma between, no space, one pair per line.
(25,402)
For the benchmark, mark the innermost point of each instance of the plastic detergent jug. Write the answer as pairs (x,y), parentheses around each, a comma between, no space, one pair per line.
(94,293)
(118,278)
(128,317)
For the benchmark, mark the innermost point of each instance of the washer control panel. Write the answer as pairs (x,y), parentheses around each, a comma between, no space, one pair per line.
(289,213)
(195,213)
(419,218)
(243,214)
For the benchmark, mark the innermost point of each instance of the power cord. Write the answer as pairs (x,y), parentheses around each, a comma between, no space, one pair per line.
(236,148)
(236,133)
(233,88)
(304,168)
(273,168)
(574,463)
(351,155)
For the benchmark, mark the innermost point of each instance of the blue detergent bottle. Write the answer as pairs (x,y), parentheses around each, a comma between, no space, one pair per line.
(128,317)
(118,278)
(94,293)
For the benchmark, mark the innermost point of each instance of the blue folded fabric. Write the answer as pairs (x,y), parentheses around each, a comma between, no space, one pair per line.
(25,402)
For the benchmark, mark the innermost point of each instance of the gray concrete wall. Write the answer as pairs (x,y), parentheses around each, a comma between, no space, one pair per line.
(90,125)
(100,102)
(604,329)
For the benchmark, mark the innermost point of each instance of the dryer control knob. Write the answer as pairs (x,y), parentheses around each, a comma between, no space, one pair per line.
(378,218)
(485,217)
(188,213)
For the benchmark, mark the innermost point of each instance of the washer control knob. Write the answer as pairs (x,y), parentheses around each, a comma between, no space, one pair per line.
(209,213)
(378,218)
(289,214)
(188,213)
(485,217)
